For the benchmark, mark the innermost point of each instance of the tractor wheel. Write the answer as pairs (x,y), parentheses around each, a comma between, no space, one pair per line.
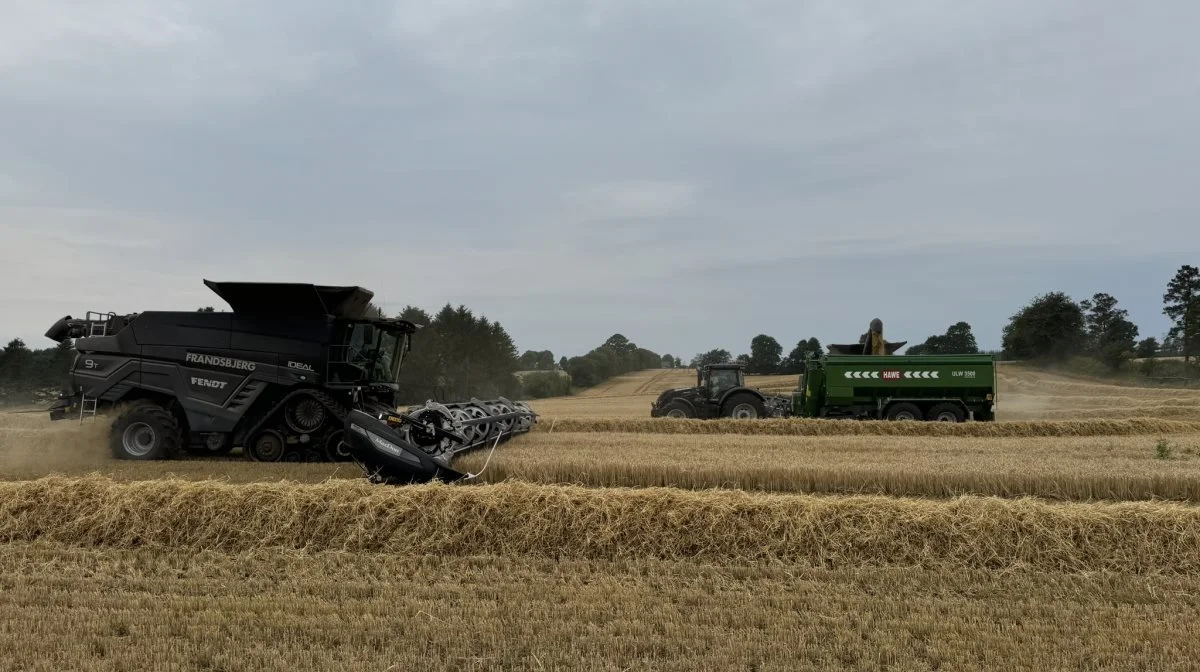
(678,409)
(267,446)
(145,432)
(744,407)
(905,411)
(946,413)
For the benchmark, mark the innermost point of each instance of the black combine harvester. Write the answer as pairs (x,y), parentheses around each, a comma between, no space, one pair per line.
(297,372)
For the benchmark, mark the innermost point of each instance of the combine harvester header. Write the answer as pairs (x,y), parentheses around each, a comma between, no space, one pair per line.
(297,372)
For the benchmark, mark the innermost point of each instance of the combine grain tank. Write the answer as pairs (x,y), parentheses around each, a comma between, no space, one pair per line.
(286,375)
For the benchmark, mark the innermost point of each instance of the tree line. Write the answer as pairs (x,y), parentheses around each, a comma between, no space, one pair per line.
(458,355)
(1055,327)
(617,355)
(765,356)
(23,369)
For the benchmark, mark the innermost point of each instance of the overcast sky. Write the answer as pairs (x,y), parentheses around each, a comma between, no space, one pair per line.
(686,173)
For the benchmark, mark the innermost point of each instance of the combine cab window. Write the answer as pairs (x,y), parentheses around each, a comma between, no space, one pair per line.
(391,351)
(375,354)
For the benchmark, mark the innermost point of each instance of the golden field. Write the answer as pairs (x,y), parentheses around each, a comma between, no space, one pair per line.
(70,608)
(607,540)
(1074,468)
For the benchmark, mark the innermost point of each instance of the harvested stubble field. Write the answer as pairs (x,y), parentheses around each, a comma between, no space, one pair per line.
(229,565)
(1075,468)
(272,610)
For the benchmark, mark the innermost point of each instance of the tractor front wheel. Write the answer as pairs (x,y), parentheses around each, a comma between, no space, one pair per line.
(678,409)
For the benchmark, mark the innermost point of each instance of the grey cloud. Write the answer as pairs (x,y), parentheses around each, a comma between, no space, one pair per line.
(575,169)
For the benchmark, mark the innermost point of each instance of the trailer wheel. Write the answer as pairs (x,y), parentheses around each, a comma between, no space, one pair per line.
(677,409)
(946,413)
(744,407)
(145,432)
(905,411)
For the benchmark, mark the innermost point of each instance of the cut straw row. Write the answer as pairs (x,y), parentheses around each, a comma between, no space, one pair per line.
(547,521)
(823,427)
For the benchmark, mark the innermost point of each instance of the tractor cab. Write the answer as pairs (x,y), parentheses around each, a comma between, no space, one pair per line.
(720,392)
(715,380)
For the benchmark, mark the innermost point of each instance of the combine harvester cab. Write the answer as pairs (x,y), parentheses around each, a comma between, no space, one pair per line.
(280,376)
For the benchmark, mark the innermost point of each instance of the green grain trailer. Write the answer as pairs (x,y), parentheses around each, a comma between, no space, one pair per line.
(944,388)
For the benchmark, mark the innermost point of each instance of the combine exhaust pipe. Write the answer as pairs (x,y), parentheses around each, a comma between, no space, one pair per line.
(419,445)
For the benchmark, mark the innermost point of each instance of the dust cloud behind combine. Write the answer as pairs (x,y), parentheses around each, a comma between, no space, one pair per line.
(31,445)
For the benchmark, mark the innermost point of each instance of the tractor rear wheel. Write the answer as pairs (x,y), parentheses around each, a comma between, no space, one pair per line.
(946,413)
(744,407)
(145,432)
(905,411)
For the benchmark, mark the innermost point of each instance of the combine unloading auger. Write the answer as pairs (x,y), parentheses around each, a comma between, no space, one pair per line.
(870,343)
(420,444)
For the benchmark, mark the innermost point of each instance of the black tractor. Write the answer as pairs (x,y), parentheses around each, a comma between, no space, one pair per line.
(720,392)
(293,373)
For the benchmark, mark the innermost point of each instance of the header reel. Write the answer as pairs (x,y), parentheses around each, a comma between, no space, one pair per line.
(419,444)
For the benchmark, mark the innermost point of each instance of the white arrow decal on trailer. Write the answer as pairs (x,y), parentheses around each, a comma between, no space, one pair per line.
(921,374)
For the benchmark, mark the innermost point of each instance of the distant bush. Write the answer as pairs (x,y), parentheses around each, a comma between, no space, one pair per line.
(1168,372)
(542,384)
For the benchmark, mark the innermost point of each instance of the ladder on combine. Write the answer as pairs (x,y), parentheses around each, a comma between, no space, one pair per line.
(98,324)
(87,407)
